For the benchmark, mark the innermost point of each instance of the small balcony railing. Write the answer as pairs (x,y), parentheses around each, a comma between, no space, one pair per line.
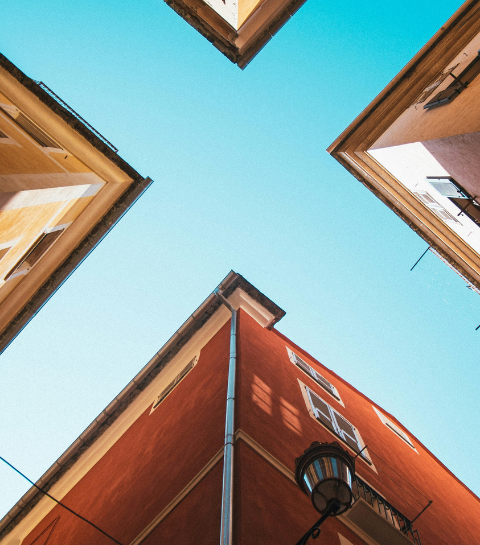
(361,490)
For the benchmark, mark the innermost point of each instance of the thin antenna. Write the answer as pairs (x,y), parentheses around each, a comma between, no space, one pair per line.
(418,260)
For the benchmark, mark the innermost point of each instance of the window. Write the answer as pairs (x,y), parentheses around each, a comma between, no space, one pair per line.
(393,427)
(458,85)
(448,187)
(174,383)
(35,253)
(317,377)
(3,252)
(336,423)
(435,207)
(30,128)
(429,90)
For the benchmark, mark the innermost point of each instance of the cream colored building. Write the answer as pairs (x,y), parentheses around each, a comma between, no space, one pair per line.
(62,188)
(237,28)
(417,145)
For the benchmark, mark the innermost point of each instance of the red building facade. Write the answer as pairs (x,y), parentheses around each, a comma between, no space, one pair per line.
(149,469)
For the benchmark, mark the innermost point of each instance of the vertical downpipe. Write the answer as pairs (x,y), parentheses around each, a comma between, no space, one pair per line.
(226,529)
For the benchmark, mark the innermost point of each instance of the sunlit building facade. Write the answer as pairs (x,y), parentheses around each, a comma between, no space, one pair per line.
(152,467)
(62,188)
(417,145)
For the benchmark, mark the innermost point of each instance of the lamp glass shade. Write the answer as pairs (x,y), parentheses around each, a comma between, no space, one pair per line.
(329,479)
(326,472)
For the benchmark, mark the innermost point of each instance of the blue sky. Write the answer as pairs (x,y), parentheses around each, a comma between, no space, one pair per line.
(242,182)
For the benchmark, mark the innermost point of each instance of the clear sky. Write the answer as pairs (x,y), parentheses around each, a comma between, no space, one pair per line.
(242,182)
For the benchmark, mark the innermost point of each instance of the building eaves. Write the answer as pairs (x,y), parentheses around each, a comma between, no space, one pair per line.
(74,122)
(75,258)
(105,419)
(416,75)
(136,188)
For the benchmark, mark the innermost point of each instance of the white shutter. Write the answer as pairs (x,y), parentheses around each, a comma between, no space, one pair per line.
(302,364)
(317,377)
(321,410)
(346,431)
(435,207)
(336,423)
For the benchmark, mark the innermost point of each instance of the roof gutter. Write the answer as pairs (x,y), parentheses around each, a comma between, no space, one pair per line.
(226,527)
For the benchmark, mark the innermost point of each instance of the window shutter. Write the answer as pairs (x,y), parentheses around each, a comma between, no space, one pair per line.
(324,382)
(174,382)
(303,365)
(446,187)
(36,252)
(346,431)
(321,410)
(399,432)
(316,376)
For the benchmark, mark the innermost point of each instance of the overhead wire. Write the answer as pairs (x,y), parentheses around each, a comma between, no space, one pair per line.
(59,502)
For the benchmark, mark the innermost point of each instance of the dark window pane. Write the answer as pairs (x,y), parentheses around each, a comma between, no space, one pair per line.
(36,251)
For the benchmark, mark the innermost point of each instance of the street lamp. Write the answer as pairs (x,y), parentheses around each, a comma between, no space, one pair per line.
(325,472)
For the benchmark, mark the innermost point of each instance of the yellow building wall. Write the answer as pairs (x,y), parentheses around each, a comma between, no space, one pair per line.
(20,154)
(245,9)
(23,226)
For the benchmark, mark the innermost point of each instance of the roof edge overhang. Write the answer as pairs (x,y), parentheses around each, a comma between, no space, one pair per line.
(350,149)
(194,323)
(74,122)
(400,93)
(219,33)
(135,187)
(74,260)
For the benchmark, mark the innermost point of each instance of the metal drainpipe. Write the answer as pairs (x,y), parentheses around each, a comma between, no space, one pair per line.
(226,528)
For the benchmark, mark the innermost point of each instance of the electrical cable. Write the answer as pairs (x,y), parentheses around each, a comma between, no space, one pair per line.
(59,502)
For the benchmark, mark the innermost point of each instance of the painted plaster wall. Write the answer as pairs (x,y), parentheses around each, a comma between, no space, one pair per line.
(152,462)
(196,519)
(461,116)
(162,451)
(273,412)
(272,510)
(20,154)
(460,157)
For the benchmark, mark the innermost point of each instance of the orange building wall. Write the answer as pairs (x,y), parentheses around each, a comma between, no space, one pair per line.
(162,452)
(153,461)
(272,411)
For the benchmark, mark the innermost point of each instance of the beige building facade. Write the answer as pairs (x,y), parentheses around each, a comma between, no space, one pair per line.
(62,188)
(417,145)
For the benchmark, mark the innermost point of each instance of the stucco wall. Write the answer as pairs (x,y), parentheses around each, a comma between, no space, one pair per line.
(272,410)
(152,462)
(461,116)
(164,450)
(460,157)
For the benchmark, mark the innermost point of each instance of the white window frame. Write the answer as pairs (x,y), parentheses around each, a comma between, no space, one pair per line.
(338,432)
(440,211)
(313,374)
(395,429)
